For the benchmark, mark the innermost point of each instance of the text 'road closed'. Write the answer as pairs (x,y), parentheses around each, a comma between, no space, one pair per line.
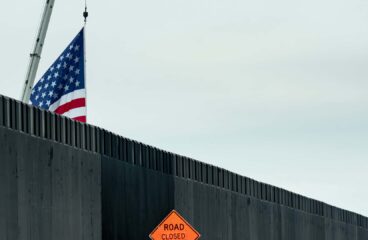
(174,227)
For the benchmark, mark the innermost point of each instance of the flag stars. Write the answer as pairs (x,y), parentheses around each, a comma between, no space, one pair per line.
(62,77)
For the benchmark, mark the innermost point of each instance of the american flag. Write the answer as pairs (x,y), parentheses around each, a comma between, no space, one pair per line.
(62,88)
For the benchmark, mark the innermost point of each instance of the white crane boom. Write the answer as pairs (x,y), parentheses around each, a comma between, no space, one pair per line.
(36,54)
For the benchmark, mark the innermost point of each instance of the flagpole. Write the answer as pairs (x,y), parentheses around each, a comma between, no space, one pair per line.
(36,54)
(85,16)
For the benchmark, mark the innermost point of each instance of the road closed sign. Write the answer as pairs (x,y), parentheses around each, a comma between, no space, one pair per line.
(174,227)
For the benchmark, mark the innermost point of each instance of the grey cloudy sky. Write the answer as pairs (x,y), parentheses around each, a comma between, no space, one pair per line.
(273,90)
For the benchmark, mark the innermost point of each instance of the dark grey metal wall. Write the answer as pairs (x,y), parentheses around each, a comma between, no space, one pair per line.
(47,190)
(168,172)
(227,215)
(134,199)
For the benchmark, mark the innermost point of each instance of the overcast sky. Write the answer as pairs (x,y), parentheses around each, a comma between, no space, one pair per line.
(273,90)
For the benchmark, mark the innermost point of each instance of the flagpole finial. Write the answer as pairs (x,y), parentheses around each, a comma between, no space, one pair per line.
(85,13)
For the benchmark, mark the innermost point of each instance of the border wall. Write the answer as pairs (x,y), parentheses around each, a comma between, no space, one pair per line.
(61,179)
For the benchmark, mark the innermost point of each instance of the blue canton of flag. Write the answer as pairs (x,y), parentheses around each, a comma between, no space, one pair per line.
(62,88)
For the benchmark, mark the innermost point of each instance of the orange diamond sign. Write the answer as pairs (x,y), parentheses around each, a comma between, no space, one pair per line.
(175,227)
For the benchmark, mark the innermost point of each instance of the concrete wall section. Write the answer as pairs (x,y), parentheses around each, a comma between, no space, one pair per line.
(48,190)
